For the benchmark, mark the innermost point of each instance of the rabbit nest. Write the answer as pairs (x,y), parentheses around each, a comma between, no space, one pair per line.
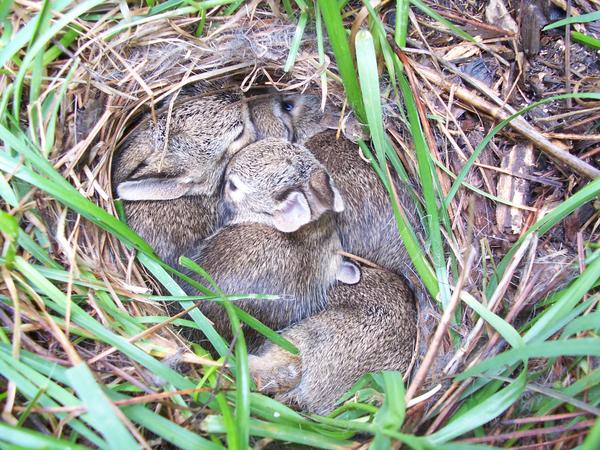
(117,81)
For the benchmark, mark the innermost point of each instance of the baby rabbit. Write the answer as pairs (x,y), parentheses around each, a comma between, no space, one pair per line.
(278,236)
(367,327)
(367,227)
(181,160)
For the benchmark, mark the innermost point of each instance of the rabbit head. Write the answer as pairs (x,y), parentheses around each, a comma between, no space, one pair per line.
(277,183)
(294,117)
(184,153)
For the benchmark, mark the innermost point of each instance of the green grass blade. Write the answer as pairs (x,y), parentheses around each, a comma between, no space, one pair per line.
(168,430)
(23,438)
(585,195)
(42,41)
(23,36)
(434,15)
(233,439)
(30,384)
(592,441)
(341,49)
(484,412)
(566,301)
(83,319)
(585,39)
(320,45)
(584,18)
(589,321)
(100,408)
(260,327)
(391,414)
(369,82)
(67,194)
(426,174)
(159,425)
(242,381)
(505,330)
(550,349)
(295,45)
(214,424)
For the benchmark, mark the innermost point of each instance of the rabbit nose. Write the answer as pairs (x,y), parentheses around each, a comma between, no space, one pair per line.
(225,213)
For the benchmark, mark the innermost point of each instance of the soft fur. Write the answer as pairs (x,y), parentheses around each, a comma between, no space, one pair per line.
(203,133)
(367,226)
(249,255)
(365,328)
(295,117)
(298,267)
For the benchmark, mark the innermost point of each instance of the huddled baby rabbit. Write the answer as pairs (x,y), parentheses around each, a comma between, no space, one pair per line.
(168,173)
(295,117)
(367,226)
(277,237)
(225,181)
(366,327)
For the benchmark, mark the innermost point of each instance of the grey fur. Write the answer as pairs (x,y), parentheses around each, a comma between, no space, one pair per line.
(367,327)
(304,119)
(203,134)
(248,255)
(367,227)
(263,174)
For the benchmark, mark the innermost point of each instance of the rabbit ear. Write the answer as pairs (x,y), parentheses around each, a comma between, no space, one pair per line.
(349,273)
(292,213)
(322,194)
(153,189)
(330,120)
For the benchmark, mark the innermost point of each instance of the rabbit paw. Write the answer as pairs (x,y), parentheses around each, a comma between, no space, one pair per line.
(275,371)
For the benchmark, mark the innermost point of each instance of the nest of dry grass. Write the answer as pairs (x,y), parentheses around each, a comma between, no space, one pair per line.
(119,81)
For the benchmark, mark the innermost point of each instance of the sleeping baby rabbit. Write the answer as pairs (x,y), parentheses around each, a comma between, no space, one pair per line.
(168,173)
(277,237)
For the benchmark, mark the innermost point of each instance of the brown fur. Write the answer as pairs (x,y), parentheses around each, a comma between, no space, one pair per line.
(249,255)
(203,133)
(367,226)
(260,176)
(367,327)
(304,119)
(298,267)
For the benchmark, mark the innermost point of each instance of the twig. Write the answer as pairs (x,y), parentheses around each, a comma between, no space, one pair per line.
(568,56)
(573,137)
(518,123)
(529,433)
(150,398)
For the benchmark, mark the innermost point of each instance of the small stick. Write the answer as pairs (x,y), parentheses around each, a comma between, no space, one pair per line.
(568,56)
(364,261)
(150,398)
(530,433)
(547,418)
(500,113)
(573,137)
